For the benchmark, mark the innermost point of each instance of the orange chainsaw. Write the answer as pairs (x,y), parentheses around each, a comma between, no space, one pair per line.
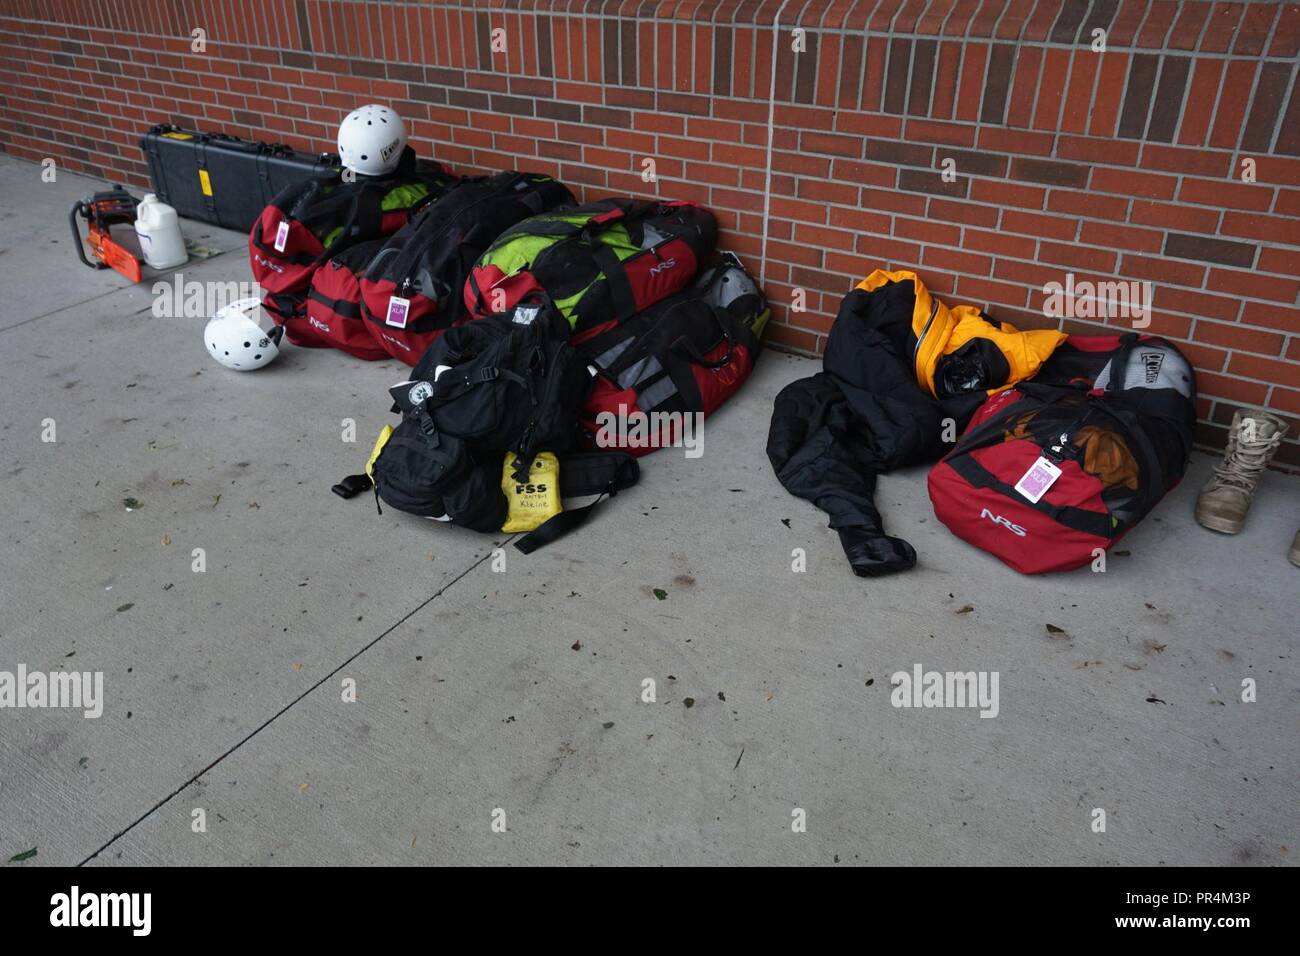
(102,212)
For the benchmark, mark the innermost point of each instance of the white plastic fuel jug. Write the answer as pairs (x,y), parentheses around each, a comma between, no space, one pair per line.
(159,230)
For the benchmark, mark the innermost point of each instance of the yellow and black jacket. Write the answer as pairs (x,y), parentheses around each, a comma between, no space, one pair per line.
(903,373)
(960,350)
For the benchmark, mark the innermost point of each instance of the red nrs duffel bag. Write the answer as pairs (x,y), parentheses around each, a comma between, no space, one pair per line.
(603,260)
(335,311)
(1052,473)
(312,220)
(684,355)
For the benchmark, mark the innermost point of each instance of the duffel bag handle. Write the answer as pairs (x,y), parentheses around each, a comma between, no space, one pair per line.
(685,347)
(608,217)
(621,211)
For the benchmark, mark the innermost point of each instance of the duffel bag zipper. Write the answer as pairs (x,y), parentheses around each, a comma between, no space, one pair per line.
(934,310)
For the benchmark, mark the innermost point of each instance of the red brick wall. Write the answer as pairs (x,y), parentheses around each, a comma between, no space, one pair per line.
(1124,164)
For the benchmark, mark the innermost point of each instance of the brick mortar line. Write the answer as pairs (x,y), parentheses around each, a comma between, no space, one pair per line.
(1183,106)
(1262,245)
(1169,27)
(1019,41)
(1249,104)
(1228,351)
(1283,107)
(976,126)
(639,88)
(765,239)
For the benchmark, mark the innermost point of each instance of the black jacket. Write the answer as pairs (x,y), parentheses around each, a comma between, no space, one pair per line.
(865,414)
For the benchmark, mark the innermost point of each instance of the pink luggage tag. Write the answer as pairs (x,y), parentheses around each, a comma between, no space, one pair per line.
(282,235)
(397,311)
(1034,483)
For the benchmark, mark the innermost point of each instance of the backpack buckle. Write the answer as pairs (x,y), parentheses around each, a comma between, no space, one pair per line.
(425,421)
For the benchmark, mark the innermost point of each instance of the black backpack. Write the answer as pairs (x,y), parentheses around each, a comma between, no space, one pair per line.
(536,382)
(509,384)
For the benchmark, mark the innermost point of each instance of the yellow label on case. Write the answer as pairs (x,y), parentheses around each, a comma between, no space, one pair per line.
(205,183)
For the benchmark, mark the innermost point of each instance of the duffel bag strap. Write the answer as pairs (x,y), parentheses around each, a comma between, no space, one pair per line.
(353,485)
(601,473)
(591,472)
(462,382)
(367,212)
(344,307)
(1079,519)
(362,209)
(1119,363)
(620,286)
(284,306)
(259,241)
(1153,475)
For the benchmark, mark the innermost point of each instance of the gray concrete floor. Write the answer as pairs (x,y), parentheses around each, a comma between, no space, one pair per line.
(480,691)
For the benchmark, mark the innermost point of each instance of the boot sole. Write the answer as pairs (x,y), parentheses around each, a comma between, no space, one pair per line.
(1295,557)
(1221,525)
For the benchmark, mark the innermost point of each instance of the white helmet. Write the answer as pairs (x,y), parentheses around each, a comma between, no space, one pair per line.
(371,140)
(236,340)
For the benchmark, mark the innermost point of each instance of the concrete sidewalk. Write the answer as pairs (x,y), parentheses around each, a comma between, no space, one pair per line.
(518,694)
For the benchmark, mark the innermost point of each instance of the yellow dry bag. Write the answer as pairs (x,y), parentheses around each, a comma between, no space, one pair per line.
(534,501)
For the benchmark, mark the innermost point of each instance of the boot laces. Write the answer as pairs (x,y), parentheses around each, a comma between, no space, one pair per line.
(1242,466)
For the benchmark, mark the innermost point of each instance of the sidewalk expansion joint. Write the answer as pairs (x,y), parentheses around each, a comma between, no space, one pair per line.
(285,709)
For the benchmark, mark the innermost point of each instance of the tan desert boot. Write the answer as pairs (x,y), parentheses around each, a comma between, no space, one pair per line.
(1295,550)
(1225,499)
